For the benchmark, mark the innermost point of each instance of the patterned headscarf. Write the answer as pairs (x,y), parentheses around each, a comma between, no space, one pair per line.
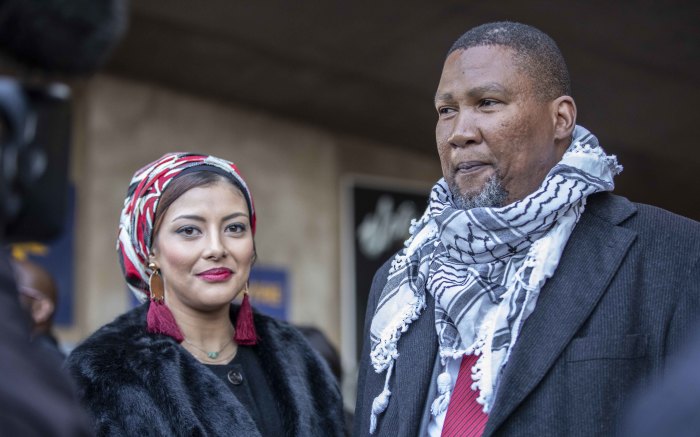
(137,218)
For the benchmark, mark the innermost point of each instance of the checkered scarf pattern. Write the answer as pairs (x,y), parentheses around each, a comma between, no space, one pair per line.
(485,268)
(137,217)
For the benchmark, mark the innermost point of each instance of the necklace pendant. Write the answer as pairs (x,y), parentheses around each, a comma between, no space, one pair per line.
(213,355)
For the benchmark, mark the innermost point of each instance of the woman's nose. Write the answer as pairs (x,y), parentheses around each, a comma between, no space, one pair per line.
(215,248)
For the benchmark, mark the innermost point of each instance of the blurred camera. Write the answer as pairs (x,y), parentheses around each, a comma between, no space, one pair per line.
(47,37)
(35,122)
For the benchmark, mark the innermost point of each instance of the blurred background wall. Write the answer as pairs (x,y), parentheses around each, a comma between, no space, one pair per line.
(302,95)
(294,171)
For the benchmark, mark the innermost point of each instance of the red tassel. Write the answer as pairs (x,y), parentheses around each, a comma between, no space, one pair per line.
(245,329)
(161,321)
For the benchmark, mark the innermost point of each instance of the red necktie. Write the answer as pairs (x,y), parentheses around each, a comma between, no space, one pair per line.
(465,416)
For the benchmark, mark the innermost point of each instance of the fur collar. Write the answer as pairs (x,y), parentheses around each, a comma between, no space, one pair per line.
(132,381)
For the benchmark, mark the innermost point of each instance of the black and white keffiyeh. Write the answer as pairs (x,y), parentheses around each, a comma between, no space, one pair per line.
(485,268)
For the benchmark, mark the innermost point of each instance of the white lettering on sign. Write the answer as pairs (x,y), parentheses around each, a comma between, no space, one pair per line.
(380,229)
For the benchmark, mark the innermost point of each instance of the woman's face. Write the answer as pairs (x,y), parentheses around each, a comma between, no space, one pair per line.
(204,248)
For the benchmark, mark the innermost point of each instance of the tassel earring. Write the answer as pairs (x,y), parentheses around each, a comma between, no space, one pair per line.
(245,328)
(159,319)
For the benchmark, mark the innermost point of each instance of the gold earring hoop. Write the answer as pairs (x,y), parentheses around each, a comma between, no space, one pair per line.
(155,284)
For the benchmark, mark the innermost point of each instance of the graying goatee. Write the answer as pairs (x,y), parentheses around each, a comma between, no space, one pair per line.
(492,195)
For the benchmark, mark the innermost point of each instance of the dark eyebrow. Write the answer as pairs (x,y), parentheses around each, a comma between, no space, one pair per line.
(189,217)
(234,215)
(443,97)
(486,88)
(201,219)
(475,92)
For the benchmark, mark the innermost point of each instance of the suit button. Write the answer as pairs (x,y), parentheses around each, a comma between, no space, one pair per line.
(235,378)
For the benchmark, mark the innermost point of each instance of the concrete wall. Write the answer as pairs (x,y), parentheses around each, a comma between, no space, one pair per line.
(294,171)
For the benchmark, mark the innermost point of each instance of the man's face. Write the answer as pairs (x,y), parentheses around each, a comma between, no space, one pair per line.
(492,126)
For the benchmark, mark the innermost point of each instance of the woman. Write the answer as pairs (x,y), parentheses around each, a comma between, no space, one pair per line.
(179,365)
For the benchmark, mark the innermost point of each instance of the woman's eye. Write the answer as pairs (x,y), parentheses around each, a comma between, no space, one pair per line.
(236,228)
(188,231)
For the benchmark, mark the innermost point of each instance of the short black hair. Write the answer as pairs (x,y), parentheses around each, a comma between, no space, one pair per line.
(537,54)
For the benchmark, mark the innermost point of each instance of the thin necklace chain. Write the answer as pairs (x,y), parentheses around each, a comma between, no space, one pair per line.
(212,355)
(224,360)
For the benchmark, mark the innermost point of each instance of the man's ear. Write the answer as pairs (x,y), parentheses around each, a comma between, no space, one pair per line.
(42,309)
(564,113)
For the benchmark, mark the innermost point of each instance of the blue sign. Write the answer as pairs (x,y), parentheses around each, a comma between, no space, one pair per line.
(269,291)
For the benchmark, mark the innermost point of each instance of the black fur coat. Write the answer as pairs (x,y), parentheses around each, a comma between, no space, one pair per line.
(134,383)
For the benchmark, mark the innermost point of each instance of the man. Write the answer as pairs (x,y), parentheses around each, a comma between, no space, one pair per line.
(37,294)
(528,300)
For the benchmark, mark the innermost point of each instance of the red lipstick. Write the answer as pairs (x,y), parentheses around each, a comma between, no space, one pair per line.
(219,274)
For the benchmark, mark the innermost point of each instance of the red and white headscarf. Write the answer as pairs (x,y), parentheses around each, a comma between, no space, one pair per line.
(137,218)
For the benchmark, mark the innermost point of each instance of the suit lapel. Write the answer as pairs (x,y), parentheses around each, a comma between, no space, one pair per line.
(418,348)
(592,256)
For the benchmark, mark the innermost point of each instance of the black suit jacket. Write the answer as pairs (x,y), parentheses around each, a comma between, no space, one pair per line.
(624,296)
